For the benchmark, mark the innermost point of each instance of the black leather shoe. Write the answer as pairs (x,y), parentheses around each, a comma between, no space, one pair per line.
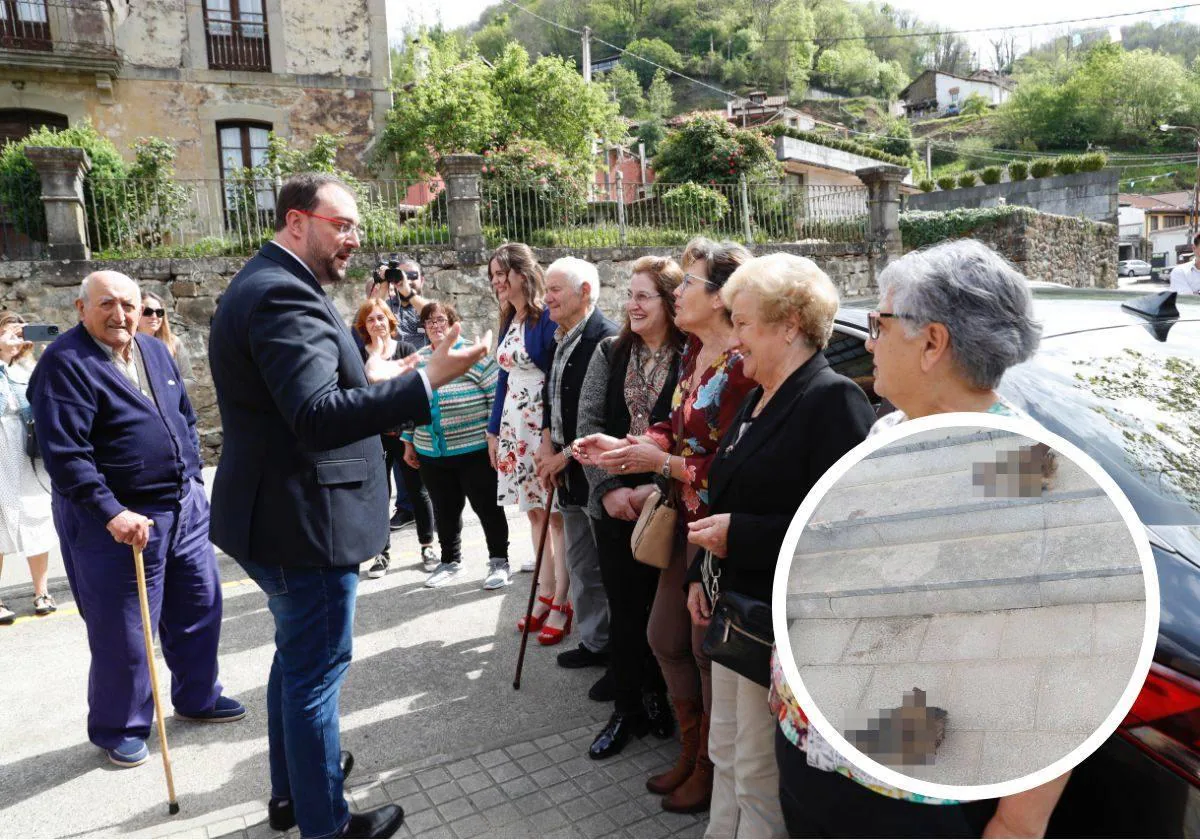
(618,732)
(281,815)
(658,712)
(581,657)
(603,690)
(378,822)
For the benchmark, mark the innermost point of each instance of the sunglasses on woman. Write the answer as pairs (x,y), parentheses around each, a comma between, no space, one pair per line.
(875,321)
(154,313)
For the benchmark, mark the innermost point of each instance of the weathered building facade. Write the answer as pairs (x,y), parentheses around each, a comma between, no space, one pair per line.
(214,76)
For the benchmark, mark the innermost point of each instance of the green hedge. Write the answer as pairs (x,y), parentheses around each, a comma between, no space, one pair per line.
(853,148)
(1042,167)
(925,185)
(967,179)
(947,182)
(1018,170)
(919,228)
(991,175)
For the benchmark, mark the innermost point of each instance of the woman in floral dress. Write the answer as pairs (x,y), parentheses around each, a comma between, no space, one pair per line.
(711,389)
(523,353)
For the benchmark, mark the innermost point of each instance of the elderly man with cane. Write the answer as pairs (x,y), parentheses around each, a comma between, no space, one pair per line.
(301,498)
(118,436)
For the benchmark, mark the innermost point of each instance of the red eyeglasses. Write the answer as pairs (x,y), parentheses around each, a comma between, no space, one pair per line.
(344,227)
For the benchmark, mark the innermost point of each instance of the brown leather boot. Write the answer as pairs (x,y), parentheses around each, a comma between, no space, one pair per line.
(694,795)
(688,713)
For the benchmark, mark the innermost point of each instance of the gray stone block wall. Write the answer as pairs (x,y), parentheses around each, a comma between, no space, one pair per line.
(1092,195)
(45,291)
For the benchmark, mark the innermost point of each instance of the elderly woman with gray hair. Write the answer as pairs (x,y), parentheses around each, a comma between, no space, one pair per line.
(951,320)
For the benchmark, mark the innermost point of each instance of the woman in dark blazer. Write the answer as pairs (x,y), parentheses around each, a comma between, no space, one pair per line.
(800,419)
(628,387)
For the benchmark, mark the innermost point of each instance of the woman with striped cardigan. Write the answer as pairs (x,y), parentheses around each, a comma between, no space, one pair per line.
(452,455)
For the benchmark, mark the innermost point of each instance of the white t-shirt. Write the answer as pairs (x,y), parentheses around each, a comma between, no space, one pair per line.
(1185,278)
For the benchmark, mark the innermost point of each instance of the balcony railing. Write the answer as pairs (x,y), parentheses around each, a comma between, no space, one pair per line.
(237,43)
(58,34)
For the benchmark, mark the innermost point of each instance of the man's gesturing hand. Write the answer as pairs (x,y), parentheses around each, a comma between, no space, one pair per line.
(447,363)
(129,528)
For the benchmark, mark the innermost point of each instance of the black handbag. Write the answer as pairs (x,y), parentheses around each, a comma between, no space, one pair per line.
(740,635)
(31,444)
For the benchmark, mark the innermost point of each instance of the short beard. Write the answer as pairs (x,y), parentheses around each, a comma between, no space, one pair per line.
(324,267)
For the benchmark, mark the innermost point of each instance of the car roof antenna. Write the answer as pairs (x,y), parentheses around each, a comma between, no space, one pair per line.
(1160,305)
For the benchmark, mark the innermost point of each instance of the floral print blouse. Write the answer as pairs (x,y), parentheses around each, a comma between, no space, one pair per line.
(704,415)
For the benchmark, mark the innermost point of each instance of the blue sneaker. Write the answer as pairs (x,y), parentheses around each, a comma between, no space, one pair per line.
(226,710)
(129,753)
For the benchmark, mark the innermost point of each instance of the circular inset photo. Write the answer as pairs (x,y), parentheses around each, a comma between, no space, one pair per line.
(966,607)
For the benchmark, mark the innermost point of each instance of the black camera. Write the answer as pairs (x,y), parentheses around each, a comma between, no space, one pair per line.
(39,332)
(393,274)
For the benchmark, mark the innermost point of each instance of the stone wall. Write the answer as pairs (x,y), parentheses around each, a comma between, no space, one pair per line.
(1092,195)
(1056,249)
(44,292)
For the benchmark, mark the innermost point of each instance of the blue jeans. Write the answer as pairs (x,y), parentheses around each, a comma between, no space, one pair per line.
(314,620)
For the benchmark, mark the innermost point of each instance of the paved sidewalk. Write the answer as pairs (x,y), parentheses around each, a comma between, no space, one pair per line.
(542,786)
(428,710)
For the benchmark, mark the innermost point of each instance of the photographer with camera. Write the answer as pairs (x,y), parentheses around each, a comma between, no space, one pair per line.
(25,523)
(399,283)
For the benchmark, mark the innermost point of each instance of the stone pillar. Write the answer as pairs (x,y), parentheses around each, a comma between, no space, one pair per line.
(883,205)
(461,174)
(62,172)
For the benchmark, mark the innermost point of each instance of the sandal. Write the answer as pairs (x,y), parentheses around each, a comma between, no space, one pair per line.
(44,604)
(554,635)
(7,616)
(536,622)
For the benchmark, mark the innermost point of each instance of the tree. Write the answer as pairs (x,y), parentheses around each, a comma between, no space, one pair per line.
(626,90)
(660,99)
(470,107)
(657,51)
(974,105)
(1004,50)
(708,150)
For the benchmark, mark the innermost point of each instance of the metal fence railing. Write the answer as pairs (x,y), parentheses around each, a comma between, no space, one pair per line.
(61,26)
(628,213)
(129,216)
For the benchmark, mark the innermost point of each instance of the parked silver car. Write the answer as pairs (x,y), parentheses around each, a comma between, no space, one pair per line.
(1133,268)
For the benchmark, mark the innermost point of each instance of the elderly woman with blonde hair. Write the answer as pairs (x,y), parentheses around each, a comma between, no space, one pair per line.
(800,419)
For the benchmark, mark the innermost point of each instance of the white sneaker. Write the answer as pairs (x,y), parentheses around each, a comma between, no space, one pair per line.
(497,576)
(430,560)
(527,566)
(445,573)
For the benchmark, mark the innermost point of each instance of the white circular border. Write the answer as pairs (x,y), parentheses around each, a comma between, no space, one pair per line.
(885,774)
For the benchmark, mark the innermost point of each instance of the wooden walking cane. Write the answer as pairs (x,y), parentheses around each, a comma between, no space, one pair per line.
(537,573)
(140,567)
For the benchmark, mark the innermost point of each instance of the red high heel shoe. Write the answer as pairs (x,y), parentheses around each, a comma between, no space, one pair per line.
(537,621)
(554,635)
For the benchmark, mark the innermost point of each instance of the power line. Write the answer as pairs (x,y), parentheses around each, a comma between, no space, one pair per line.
(977,29)
(730,95)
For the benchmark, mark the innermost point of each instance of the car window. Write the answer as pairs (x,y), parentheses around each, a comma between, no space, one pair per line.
(847,354)
(1130,399)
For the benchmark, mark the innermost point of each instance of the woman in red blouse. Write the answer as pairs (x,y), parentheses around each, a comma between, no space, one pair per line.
(711,388)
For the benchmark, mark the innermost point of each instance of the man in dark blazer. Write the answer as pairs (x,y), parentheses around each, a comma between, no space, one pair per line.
(300,497)
(118,437)
(572,289)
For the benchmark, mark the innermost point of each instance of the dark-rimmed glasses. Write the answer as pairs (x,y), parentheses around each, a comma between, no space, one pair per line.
(154,313)
(342,226)
(439,321)
(875,321)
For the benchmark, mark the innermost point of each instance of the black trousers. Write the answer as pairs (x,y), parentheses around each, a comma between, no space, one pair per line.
(817,803)
(630,587)
(418,496)
(452,481)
